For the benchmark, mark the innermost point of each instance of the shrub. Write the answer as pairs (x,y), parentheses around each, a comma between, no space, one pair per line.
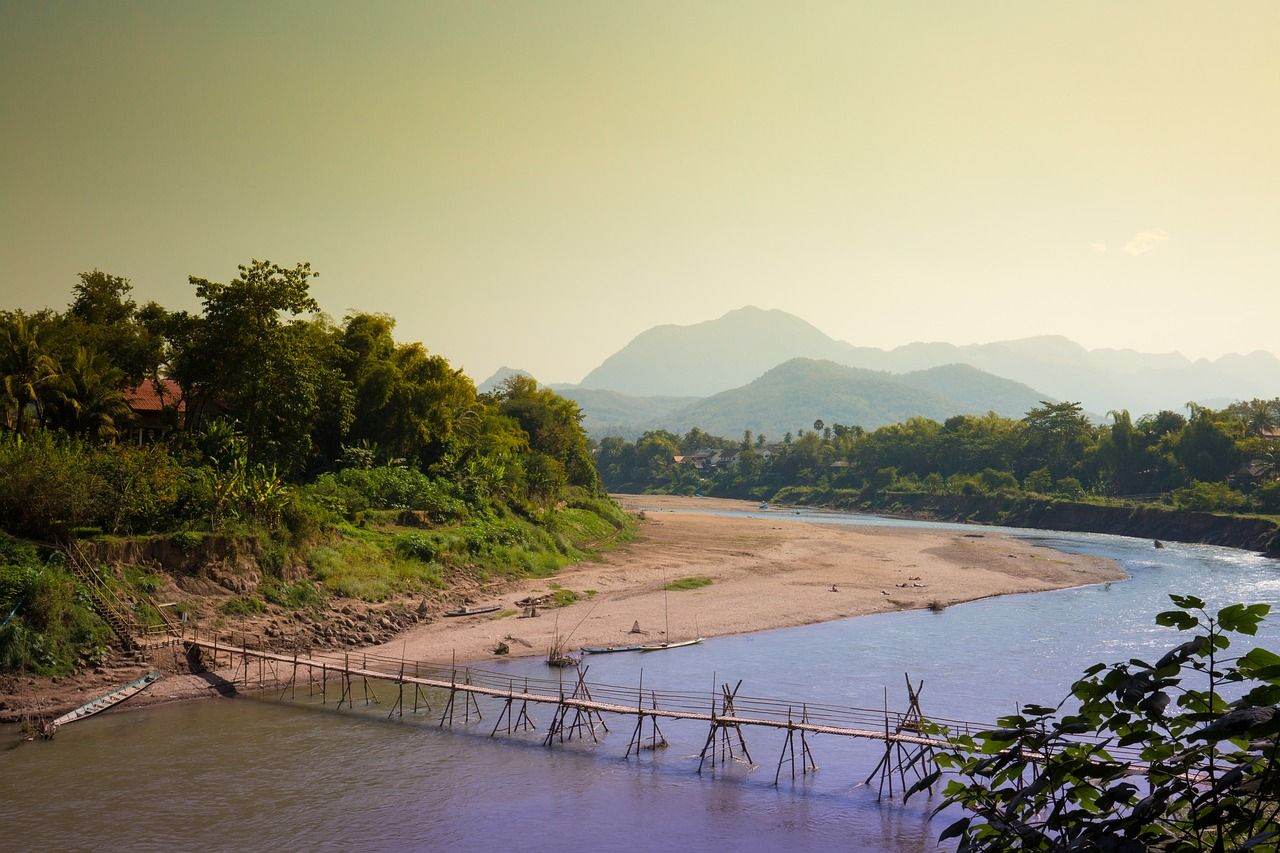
(1039,480)
(243,605)
(50,485)
(295,596)
(1209,497)
(418,546)
(1267,498)
(1068,487)
(47,621)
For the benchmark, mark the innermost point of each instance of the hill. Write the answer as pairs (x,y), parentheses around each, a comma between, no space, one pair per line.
(794,394)
(713,356)
(719,355)
(501,375)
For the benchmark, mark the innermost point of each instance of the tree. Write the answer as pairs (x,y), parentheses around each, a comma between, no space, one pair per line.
(103,317)
(1205,449)
(88,400)
(1057,435)
(241,356)
(554,427)
(28,370)
(1155,758)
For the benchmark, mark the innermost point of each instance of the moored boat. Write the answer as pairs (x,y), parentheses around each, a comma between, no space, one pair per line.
(658,647)
(605,650)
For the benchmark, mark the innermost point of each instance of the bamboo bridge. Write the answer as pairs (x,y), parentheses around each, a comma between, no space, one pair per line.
(579,707)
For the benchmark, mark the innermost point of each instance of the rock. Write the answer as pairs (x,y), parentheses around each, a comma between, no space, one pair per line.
(501,649)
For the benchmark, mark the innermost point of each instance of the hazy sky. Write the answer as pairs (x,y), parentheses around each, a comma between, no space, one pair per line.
(534,183)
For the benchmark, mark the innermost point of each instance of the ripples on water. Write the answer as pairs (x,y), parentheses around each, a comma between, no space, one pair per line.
(252,773)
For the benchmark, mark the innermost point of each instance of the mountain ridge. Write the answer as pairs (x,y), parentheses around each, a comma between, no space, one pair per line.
(717,355)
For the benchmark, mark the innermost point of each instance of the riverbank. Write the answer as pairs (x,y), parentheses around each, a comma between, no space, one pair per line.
(730,575)
(1249,533)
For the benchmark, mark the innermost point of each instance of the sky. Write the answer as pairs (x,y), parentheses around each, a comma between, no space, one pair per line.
(533,184)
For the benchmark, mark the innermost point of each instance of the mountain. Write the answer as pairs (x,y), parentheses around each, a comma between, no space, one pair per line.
(1101,379)
(713,356)
(501,375)
(791,396)
(726,353)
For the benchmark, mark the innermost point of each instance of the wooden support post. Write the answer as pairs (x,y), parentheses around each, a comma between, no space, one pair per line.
(523,721)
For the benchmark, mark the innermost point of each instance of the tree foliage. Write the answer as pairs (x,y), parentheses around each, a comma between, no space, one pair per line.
(1178,754)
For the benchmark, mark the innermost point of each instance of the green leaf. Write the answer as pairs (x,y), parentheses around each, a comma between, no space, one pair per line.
(1187,602)
(921,785)
(1241,618)
(1177,619)
(1260,664)
(956,829)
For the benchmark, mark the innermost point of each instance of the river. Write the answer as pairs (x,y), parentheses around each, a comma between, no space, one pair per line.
(257,773)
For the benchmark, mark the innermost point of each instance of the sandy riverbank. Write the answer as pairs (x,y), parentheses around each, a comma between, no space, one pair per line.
(767,573)
(774,572)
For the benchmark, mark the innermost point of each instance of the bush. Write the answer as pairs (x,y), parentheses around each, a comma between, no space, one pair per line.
(1068,487)
(418,546)
(1039,481)
(1267,498)
(353,490)
(51,485)
(1209,497)
(243,605)
(48,622)
(295,596)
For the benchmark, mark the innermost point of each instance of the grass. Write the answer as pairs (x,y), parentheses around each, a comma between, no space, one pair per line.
(695,582)
(381,558)
(563,597)
(243,605)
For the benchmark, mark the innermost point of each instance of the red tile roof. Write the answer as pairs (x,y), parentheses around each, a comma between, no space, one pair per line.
(155,396)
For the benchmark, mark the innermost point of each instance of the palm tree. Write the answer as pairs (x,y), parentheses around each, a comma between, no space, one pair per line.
(89,396)
(27,370)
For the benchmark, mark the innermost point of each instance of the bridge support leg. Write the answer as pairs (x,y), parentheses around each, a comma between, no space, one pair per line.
(523,721)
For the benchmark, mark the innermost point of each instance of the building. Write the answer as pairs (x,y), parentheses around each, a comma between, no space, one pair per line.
(158,408)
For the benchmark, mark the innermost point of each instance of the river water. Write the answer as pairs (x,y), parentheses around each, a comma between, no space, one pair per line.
(257,773)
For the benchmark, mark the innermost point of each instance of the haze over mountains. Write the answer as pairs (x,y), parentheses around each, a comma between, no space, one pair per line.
(716,355)
(793,395)
(772,372)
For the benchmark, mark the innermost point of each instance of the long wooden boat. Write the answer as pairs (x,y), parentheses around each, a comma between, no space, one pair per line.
(105,701)
(608,650)
(661,647)
(473,611)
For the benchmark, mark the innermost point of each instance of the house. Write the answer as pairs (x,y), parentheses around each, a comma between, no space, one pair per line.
(158,408)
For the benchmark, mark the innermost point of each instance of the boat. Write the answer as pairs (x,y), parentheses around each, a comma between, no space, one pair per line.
(558,657)
(103,702)
(472,611)
(658,647)
(666,613)
(606,650)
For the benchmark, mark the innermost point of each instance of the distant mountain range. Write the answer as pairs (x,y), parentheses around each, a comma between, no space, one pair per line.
(793,395)
(719,355)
